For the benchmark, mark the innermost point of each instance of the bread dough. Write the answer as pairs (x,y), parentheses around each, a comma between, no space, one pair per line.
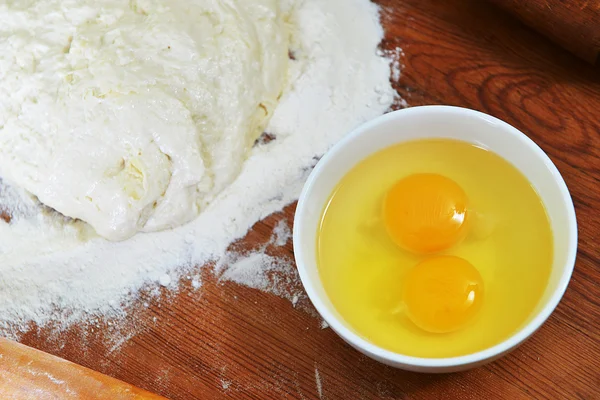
(134,115)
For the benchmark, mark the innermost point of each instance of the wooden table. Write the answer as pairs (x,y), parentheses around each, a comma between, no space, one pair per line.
(229,341)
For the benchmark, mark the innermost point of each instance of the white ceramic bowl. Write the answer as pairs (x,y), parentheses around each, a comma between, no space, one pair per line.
(436,122)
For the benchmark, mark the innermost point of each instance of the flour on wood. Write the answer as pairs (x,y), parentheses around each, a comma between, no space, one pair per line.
(57,269)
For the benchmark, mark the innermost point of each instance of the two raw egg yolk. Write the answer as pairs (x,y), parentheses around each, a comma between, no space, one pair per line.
(427,214)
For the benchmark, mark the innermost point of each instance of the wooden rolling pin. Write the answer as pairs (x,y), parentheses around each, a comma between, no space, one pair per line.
(28,374)
(573,24)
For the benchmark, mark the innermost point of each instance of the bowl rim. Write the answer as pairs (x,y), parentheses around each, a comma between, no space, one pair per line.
(397,358)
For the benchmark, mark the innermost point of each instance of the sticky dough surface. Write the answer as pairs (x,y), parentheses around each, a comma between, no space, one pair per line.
(134,115)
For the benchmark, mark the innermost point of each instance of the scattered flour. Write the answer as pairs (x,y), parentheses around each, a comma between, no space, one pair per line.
(261,271)
(282,233)
(395,55)
(318,382)
(225,384)
(395,58)
(120,341)
(164,280)
(196,283)
(53,269)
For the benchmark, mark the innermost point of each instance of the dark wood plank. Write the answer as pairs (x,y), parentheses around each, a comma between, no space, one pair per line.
(228,341)
(573,24)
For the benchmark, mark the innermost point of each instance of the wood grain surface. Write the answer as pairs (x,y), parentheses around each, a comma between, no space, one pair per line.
(573,24)
(228,341)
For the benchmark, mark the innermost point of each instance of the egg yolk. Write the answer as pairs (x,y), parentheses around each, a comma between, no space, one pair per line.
(425,213)
(442,294)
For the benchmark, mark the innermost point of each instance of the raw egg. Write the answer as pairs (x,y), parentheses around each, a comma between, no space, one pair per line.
(442,294)
(434,248)
(425,213)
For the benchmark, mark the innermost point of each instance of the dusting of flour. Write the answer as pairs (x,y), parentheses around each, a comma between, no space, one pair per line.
(55,270)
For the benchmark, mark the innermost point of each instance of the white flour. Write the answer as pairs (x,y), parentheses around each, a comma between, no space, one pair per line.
(52,270)
(132,116)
